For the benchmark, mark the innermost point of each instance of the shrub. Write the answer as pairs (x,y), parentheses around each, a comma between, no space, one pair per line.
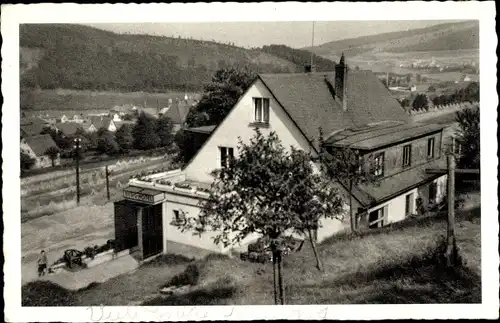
(189,276)
(46,293)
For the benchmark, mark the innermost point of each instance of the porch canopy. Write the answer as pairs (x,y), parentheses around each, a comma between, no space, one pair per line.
(143,195)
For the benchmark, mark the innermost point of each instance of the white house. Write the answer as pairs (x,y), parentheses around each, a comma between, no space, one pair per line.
(37,147)
(352,108)
(98,122)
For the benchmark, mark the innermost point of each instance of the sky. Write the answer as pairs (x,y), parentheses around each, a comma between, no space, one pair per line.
(256,34)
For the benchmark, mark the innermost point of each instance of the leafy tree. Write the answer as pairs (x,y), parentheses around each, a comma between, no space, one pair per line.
(106,142)
(62,141)
(164,130)
(124,137)
(27,162)
(431,89)
(53,153)
(263,192)
(188,144)
(349,167)
(420,102)
(220,96)
(144,132)
(467,137)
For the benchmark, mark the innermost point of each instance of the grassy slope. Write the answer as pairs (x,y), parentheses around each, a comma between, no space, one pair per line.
(450,36)
(83,57)
(393,265)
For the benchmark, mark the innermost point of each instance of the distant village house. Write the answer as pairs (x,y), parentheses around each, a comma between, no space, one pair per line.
(37,147)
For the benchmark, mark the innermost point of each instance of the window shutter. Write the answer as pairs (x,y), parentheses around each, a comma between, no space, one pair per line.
(223,156)
(266,110)
(258,109)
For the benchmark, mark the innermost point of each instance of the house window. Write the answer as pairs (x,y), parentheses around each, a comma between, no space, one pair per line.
(378,169)
(430,148)
(179,217)
(409,204)
(406,155)
(226,154)
(261,110)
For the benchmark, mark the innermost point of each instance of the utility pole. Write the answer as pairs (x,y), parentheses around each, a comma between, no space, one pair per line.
(450,245)
(107,183)
(312,45)
(76,146)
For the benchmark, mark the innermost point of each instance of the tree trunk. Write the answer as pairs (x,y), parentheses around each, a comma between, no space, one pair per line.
(275,285)
(280,279)
(316,255)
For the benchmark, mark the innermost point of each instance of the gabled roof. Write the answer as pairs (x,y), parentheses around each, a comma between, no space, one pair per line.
(376,136)
(68,128)
(178,111)
(101,122)
(32,126)
(40,144)
(310,101)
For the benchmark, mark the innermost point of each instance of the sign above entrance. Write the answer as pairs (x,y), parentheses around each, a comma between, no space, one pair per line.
(143,195)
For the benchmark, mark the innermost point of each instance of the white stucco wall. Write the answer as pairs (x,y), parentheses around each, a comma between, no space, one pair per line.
(191,207)
(441,182)
(396,207)
(237,124)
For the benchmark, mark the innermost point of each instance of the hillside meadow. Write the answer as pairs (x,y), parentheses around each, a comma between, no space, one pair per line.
(399,264)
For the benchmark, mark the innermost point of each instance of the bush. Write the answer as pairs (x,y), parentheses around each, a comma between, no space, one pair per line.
(190,276)
(46,293)
(26,162)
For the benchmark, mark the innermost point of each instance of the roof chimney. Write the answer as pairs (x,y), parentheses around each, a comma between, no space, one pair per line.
(341,82)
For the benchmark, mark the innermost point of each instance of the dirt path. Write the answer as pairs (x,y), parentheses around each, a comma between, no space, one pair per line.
(72,229)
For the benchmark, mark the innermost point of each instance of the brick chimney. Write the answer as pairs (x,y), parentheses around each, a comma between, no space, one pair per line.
(341,82)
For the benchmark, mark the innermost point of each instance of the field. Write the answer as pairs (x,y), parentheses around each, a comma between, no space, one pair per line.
(46,196)
(43,101)
(397,264)
(390,62)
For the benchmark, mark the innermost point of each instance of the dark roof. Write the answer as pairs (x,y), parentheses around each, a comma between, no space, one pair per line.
(32,120)
(378,135)
(32,126)
(178,111)
(68,128)
(204,129)
(100,121)
(372,194)
(310,102)
(40,144)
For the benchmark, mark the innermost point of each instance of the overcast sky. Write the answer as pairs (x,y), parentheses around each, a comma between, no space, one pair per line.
(257,34)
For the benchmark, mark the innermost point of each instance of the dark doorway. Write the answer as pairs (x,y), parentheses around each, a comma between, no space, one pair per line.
(126,231)
(152,230)
(432,192)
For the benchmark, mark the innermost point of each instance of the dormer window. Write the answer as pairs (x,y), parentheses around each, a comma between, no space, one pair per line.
(261,108)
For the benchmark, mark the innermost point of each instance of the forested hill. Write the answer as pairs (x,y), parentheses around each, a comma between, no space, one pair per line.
(82,57)
(300,57)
